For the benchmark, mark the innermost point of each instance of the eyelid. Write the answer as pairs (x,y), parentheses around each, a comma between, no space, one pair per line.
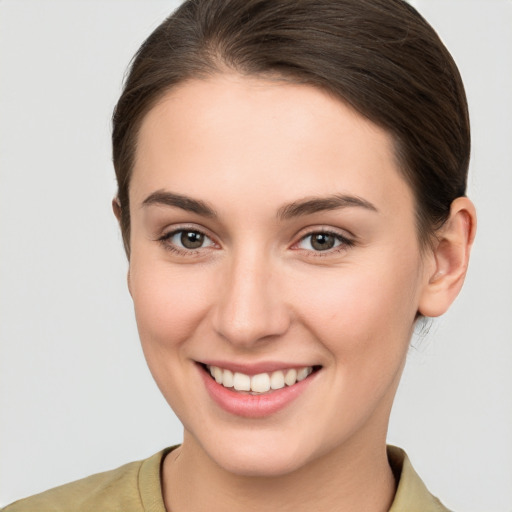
(175,228)
(321,228)
(168,233)
(346,238)
(346,241)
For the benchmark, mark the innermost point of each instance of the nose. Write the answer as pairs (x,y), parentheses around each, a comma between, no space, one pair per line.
(251,308)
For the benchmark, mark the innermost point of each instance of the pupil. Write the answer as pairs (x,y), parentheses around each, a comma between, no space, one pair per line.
(192,239)
(322,241)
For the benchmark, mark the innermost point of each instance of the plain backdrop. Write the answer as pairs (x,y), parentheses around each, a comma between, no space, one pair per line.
(75,394)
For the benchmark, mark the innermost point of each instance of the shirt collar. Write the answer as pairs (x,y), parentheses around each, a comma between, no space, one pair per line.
(411,493)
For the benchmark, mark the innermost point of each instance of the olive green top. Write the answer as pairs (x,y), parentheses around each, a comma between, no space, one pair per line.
(136,487)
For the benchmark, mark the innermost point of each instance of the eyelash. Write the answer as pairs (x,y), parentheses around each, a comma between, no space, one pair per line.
(344,242)
(169,246)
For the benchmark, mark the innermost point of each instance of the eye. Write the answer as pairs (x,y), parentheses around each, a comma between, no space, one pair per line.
(186,240)
(322,241)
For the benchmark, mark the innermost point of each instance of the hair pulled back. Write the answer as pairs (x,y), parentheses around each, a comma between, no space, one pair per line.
(378,56)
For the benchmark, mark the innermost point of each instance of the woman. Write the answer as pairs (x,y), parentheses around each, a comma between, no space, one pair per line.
(291,197)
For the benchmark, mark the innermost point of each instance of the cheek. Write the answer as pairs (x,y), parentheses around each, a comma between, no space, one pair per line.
(169,307)
(169,303)
(364,312)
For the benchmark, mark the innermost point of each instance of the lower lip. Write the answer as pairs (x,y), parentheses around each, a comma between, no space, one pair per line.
(253,406)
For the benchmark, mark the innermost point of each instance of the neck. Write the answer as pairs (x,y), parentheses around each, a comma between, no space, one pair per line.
(354,477)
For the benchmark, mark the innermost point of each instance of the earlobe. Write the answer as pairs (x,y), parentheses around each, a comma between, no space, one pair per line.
(128,282)
(116,208)
(451,259)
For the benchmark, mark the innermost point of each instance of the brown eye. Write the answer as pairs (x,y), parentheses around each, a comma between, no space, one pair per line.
(322,241)
(191,239)
(185,240)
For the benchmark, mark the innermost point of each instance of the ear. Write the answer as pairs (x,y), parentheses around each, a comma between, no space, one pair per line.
(128,279)
(450,259)
(116,207)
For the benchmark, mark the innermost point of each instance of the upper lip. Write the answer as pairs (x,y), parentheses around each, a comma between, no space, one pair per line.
(254,368)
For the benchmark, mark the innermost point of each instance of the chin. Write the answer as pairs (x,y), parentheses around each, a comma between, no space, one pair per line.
(259,462)
(258,454)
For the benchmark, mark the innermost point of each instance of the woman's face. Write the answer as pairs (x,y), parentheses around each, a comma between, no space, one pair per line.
(271,232)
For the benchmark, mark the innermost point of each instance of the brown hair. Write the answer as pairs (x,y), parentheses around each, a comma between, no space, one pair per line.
(379,56)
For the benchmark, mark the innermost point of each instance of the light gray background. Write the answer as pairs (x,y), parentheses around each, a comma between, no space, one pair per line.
(75,394)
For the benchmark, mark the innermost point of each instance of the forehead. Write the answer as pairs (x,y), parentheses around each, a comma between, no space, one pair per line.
(250,136)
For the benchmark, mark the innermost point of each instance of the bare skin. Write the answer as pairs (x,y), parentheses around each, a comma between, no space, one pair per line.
(253,171)
(351,481)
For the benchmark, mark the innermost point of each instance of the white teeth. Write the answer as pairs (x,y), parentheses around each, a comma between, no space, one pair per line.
(302,374)
(217,374)
(241,382)
(260,383)
(291,377)
(227,379)
(277,380)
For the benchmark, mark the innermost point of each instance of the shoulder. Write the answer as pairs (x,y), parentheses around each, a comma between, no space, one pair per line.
(411,493)
(133,487)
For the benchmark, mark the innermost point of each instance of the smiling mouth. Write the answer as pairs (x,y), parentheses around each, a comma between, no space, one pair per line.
(262,383)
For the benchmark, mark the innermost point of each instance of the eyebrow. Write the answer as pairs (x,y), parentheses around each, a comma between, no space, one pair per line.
(308,206)
(163,198)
